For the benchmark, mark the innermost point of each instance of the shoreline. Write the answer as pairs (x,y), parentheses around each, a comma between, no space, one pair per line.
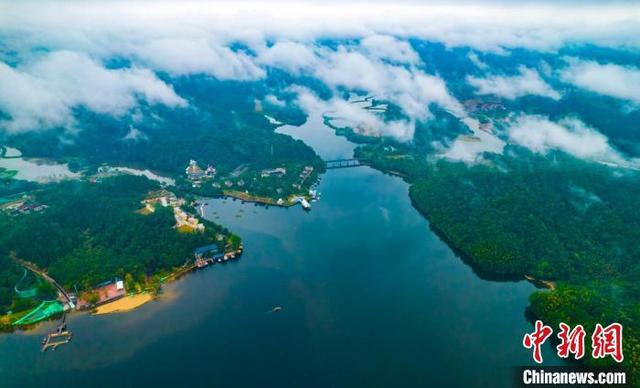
(261,200)
(124,304)
(253,198)
(541,283)
(466,258)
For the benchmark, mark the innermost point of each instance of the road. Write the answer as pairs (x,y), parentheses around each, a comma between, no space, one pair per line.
(33,268)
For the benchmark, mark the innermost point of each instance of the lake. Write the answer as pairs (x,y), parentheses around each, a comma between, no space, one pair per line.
(369,296)
(35,170)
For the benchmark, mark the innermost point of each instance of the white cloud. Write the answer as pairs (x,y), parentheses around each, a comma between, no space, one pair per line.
(353,70)
(290,56)
(194,37)
(43,94)
(473,57)
(473,151)
(30,102)
(103,27)
(408,87)
(135,135)
(528,82)
(572,136)
(389,48)
(275,101)
(197,56)
(609,79)
(365,68)
(378,66)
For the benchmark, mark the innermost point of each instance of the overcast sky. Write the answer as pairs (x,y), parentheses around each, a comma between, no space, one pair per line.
(486,26)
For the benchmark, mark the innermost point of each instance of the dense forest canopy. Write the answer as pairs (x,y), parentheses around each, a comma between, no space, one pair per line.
(222,126)
(93,232)
(553,218)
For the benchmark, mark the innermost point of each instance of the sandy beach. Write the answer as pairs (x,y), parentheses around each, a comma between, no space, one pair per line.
(124,304)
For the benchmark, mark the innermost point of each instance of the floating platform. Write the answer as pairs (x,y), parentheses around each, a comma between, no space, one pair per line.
(53,340)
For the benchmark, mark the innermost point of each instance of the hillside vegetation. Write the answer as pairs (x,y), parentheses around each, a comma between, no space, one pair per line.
(568,221)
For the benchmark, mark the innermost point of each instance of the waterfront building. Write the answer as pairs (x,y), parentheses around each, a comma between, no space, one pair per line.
(207,254)
(108,291)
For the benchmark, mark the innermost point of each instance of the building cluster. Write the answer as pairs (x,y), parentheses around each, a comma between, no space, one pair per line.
(162,197)
(228,183)
(166,198)
(210,254)
(306,172)
(22,206)
(195,174)
(478,105)
(277,172)
(184,219)
(207,254)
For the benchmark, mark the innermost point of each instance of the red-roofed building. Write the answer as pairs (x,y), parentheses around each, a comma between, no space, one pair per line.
(106,292)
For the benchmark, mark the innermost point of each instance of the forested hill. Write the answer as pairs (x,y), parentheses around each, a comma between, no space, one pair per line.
(568,221)
(574,220)
(92,232)
(223,125)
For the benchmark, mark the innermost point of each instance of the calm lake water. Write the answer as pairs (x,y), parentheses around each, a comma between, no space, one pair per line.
(36,170)
(369,296)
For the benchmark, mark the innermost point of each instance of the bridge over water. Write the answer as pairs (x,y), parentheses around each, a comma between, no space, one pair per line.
(342,163)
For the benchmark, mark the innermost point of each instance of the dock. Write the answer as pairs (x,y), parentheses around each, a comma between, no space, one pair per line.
(53,340)
(61,336)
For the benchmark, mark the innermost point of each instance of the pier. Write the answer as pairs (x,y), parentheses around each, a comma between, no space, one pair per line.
(60,337)
(53,340)
(211,254)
